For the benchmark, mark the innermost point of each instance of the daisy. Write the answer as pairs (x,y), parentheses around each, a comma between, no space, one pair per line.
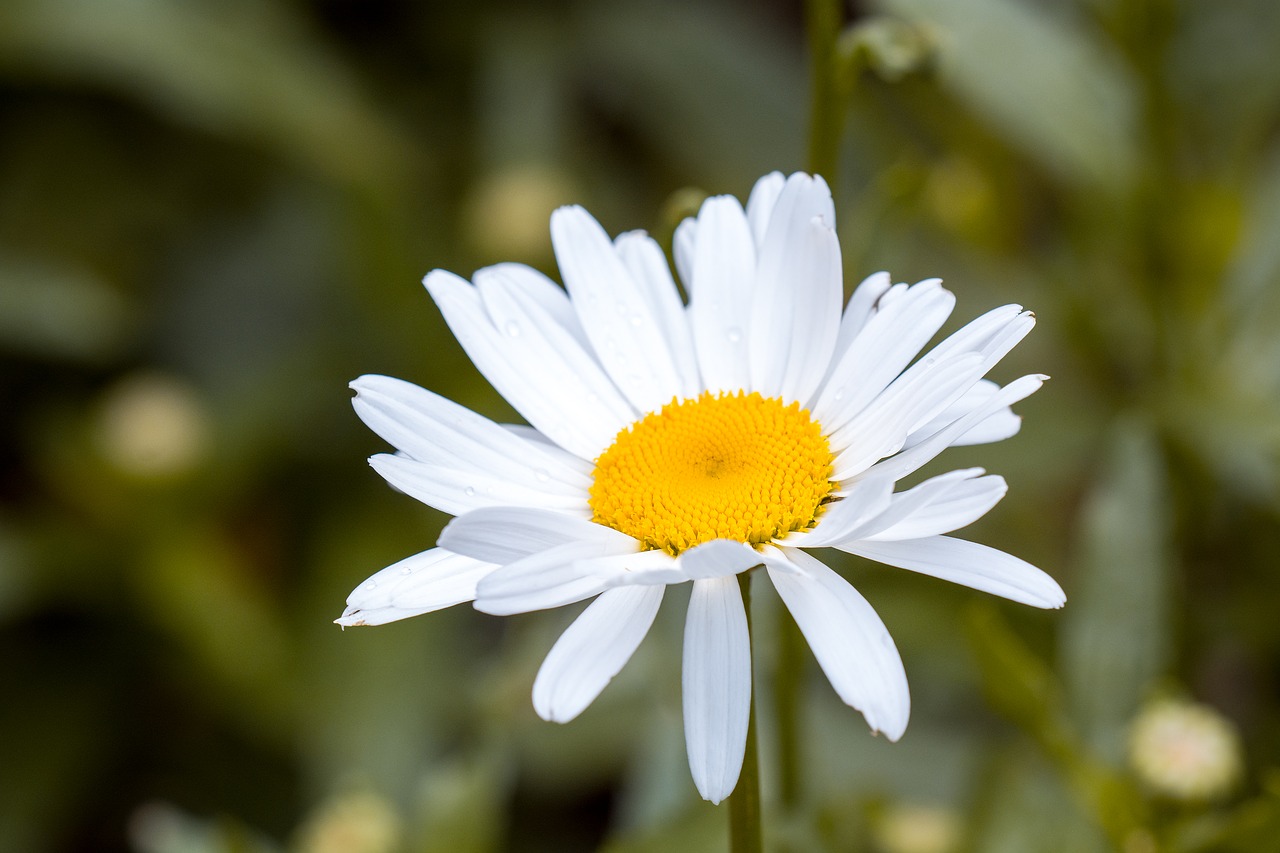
(672,443)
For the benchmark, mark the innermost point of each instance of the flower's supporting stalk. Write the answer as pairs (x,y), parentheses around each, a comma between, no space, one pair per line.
(826,107)
(744,802)
(826,124)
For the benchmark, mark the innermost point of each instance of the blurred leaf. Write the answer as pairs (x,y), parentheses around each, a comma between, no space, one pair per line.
(1023,808)
(704,827)
(462,806)
(1022,687)
(1251,827)
(1115,631)
(1041,80)
(163,828)
(234,67)
(52,309)
(720,97)
(195,585)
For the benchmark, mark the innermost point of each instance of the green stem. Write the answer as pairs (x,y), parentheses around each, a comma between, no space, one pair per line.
(826,113)
(744,802)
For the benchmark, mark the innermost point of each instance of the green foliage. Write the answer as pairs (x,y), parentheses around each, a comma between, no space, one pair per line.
(213,215)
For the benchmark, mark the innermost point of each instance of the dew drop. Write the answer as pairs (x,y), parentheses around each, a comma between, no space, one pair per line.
(370,584)
(542,475)
(469,492)
(734,334)
(839,395)
(513,329)
(636,320)
(406,570)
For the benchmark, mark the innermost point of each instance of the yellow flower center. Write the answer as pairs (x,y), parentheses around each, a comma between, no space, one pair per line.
(729,466)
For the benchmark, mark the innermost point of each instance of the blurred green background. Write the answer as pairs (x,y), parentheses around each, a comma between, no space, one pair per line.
(215,213)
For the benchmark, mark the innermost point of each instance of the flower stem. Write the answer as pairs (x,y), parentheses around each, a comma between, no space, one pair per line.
(744,802)
(826,111)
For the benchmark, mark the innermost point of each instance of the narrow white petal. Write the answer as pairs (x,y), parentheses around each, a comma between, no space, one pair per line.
(717,558)
(551,578)
(795,313)
(862,304)
(683,242)
(852,645)
(551,296)
(432,580)
(966,563)
(881,428)
(550,448)
(720,297)
(624,329)
(431,429)
(648,265)
(997,426)
(911,459)
(865,499)
(949,505)
(760,204)
(593,650)
(537,365)
(505,534)
(455,492)
(716,685)
(882,350)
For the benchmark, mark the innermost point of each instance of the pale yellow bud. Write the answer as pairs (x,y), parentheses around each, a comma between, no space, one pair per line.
(1185,750)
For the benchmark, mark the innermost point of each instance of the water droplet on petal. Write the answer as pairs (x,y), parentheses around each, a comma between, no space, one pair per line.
(636,320)
(734,334)
(542,475)
(513,329)
(406,570)
(370,584)
(469,492)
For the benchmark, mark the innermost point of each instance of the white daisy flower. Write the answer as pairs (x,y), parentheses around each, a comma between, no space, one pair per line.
(672,443)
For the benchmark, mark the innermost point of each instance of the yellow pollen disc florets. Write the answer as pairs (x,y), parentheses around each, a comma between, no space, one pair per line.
(730,466)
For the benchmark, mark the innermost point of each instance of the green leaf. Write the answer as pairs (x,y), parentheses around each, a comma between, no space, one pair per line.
(237,68)
(1115,633)
(1040,81)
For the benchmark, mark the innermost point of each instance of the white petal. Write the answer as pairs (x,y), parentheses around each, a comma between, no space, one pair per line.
(720,297)
(911,459)
(866,499)
(852,645)
(432,580)
(760,204)
(538,287)
(881,428)
(648,266)
(625,331)
(939,505)
(862,304)
(536,364)
(456,492)
(505,534)
(593,650)
(434,430)
(717,558)
(969,564)
(882,350)
(716,685)
(550,448)
(683,242)
(551,578)
(997,426)
(993,334)
(795,312)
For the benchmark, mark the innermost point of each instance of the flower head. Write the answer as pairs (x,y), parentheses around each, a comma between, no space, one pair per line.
(672,443)
(1185,750)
